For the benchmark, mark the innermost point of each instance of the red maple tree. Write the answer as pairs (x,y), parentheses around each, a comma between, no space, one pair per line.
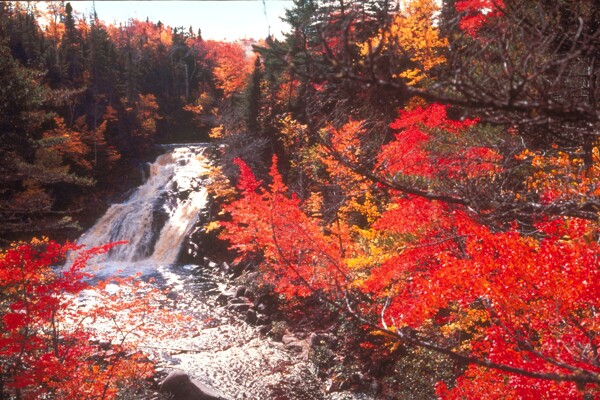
(48,346)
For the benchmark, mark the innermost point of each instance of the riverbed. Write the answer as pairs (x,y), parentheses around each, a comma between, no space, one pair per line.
(217,347)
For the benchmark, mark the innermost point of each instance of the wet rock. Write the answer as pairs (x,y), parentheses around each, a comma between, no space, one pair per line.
(181,387)
(292,343)
(262,320)
(240,300)
(225,296)
(264,330)
(240,291)
(251,317)
(262,307)
(240,307)
(225,268)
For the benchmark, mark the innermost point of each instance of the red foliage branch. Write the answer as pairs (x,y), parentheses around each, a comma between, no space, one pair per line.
(45,350)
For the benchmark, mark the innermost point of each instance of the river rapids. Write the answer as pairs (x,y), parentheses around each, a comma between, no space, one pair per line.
(218,349)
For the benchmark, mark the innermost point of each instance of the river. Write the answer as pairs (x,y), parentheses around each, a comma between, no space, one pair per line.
(219,349)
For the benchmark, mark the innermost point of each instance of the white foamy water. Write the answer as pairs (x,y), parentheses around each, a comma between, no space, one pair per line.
(158,215)
(216,347)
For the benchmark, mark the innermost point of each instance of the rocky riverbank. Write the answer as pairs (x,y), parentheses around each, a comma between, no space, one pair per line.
(245,347)
(235,350)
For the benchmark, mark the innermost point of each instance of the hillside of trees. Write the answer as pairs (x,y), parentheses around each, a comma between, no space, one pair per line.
(418,180)
(430,174)
(83,105)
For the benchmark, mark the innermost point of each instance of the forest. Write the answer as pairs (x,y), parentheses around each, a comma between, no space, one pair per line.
(418,178)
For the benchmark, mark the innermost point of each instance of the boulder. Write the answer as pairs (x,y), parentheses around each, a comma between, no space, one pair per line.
(265,329)
(225,296)
(263,320)
(251,317)
(263,308)
(240,307)
(240,300)
(225,268)
(240,291)
(181,387)
(294,344)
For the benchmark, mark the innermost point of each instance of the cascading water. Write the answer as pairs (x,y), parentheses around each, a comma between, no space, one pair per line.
(158,215)
(218,348)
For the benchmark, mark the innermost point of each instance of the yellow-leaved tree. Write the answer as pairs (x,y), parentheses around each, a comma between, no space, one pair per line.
(413,34)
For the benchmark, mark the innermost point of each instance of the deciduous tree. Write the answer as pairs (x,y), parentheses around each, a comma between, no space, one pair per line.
(47,346)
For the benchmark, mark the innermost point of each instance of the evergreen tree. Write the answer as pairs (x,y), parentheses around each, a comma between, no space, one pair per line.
(72,50)
(30,167)
(101,62)
(254,99)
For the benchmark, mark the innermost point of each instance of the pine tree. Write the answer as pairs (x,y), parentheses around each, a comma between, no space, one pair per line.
(72,50)
(254,98)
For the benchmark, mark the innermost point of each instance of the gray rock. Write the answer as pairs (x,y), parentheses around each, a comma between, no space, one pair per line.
(251,317)
(225,267)
(225,296)
(179,384)
(240,300)
(265,329)
(212,265)
(239,307)
(249,293)
(294,344)
(262,307)
(263,320)
(240,291)
(252,276)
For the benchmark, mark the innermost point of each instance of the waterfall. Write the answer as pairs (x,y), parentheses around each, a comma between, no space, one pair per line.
(159,213)
(217,348)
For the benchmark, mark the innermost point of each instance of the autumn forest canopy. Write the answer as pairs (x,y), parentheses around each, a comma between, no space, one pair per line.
(423,173)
